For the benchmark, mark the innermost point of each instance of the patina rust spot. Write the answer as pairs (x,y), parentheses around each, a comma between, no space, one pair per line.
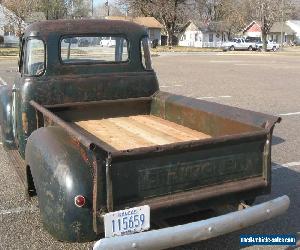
(82,150)
(24,122)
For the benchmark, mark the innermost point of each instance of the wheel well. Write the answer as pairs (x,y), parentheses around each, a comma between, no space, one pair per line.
(30,182)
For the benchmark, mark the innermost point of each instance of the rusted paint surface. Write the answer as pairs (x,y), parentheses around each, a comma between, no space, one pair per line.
(60,173)
(250,185)
(24,122)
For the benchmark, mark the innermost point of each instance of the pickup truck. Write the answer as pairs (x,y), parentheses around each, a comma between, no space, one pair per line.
(89,132)
(271,46)
(239,44)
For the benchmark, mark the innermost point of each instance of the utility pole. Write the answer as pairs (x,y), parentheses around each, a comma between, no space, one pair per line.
(282,24)
(107,5)
(92,8)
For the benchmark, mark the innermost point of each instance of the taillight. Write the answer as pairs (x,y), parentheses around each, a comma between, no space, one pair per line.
(79,200)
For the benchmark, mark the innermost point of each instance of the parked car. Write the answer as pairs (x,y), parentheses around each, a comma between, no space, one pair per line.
(239,44)
(84,42)
(107,42)
(271,46)
(102,147)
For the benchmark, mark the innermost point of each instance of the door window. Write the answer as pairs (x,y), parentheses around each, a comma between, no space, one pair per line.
(35,57)
(145,54)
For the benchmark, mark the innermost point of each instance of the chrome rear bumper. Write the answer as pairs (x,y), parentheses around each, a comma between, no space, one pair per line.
(196,231)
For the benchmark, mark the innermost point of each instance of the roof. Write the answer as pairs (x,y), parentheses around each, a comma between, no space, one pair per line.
(209,27)
(279,27)
(294,25)
(84,26)
(149,22)
(251,24)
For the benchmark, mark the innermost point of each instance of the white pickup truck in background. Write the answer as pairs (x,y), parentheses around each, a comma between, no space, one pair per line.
(239,44)
(271,46)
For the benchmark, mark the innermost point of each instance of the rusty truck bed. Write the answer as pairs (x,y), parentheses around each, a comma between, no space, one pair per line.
(168,150)
(124,133)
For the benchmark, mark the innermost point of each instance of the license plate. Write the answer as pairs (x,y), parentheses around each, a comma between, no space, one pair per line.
(128,221)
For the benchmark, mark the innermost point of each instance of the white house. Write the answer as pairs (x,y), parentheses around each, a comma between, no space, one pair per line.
(290,31)
(7,29)
(295,26)
(198,34)
(154,27)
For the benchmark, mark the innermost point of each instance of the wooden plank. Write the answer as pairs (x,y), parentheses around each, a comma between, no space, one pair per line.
(113,135)
(142,132)
(180,132)
(124,133)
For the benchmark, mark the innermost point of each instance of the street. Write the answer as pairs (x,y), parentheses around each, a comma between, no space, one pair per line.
(263,82)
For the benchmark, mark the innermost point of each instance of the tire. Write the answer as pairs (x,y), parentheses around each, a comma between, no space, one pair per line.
(274,48)
(260,49)
(250,48)
(232,48)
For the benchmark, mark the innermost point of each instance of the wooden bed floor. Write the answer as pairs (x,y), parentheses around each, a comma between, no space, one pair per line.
(124,133)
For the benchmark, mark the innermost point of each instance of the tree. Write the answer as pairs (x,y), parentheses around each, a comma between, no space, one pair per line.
(19,10)
(78,8)
(230,13)
(53,9)
(171,13)
(104,10)
(268,12)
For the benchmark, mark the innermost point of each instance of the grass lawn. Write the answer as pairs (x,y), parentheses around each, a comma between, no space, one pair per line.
(9,51)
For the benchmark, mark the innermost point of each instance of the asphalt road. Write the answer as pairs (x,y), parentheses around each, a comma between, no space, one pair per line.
(267,83)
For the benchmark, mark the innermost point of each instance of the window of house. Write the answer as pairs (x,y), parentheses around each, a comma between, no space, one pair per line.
(9,30)
(151,34)
(34,57)
(211,37)
(196,37)
(145,54)
(93,49)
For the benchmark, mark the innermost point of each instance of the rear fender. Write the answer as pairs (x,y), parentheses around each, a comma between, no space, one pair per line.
(6,119)
(61,169)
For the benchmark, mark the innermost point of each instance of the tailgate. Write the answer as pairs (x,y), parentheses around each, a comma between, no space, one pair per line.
(177,169)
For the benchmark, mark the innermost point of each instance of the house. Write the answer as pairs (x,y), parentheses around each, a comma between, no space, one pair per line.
(154,27)
(290,31)
(295,25)
(281,32)
(199,34)
(253,29)
(8,27)
(287,32)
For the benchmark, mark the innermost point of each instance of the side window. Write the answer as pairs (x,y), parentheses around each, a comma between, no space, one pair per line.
(34,64)
(145,54)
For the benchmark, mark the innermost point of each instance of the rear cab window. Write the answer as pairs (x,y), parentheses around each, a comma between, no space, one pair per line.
(94,49)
